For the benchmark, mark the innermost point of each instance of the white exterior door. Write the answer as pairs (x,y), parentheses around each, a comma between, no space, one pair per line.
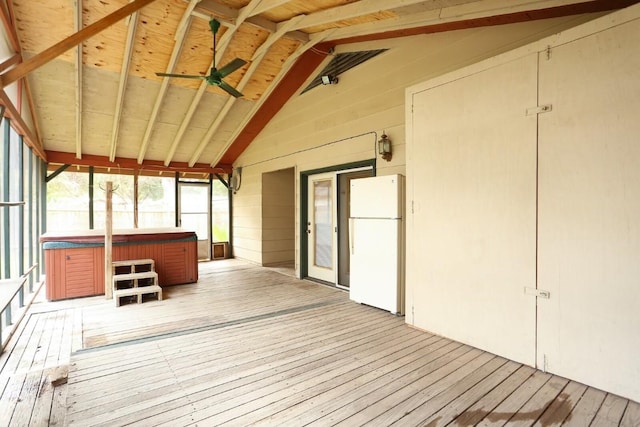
(471,240)
(322,227)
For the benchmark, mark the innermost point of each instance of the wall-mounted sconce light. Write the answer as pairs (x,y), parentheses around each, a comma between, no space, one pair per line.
(328,79)
(384,147)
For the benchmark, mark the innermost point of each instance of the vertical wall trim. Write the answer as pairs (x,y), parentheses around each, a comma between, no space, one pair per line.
(6,242)
(20,152)
(91,197)
(177,202)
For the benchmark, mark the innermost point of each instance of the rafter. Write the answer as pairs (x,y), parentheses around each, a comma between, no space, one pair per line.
(177,48)
(122,85)
(59,48)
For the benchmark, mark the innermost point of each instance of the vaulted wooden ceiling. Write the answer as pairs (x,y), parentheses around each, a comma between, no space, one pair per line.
(100,102)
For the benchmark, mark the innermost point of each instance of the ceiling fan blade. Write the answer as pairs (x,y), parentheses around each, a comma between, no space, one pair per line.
(230,67)
(230,90)
(183,76)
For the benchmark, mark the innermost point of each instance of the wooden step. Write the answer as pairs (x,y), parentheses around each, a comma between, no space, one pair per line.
(153,289)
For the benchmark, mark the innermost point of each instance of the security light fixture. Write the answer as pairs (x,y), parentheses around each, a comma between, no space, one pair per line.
(328,79)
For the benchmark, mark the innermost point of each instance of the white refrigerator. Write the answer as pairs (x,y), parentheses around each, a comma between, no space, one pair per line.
(376,242)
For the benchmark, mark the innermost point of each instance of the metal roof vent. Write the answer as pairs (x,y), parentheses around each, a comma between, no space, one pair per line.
(341,63)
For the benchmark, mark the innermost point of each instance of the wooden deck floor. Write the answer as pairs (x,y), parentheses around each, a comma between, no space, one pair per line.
(250,346)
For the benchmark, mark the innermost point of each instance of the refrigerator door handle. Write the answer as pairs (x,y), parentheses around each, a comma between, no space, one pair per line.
(352,232)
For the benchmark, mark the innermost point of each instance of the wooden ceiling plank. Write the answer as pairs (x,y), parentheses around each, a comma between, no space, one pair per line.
(59,48)
(19,124)
(283,28)
(224,111)
(244,13)
(78,73)
(177,48)
(122,84)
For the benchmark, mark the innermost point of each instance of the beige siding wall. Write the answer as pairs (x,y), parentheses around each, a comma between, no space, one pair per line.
(338,124)
(278,217)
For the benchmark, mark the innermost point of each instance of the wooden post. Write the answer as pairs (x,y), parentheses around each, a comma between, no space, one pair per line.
(108,236)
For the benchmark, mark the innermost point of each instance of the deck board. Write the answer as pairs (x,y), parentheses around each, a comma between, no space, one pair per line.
(250,346)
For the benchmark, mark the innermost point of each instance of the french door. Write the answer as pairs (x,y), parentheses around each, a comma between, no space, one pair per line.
(321,227)
(328,224)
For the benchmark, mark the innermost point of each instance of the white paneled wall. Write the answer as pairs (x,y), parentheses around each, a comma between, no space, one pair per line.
(525,237)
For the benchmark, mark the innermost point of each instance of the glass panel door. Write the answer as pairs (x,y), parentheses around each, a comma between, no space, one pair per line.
(321,228)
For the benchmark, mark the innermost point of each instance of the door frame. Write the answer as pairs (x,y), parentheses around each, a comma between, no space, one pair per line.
(304,202)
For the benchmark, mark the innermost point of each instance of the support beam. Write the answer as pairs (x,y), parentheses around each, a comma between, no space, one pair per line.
(59,48)
(57,172)
(59,157)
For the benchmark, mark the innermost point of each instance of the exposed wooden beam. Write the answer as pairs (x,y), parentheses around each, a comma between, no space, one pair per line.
(19,124)
(59,157)
(78,69)
(59,48)
(177,48)
(122,85)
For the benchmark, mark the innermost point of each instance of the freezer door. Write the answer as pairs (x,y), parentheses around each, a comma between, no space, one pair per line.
(377,197)
(375,266)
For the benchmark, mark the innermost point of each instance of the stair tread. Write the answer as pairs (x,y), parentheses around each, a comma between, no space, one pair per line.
(136,291)
(133,276)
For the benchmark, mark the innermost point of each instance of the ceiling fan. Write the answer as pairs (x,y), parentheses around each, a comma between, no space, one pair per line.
(216,75)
